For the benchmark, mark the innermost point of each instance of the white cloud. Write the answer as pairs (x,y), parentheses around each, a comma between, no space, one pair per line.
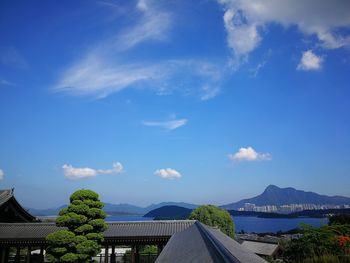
(103,70)
(153,24)
(2,174)
(249,154)
(323,18)
(167,173)
(98,75)
(85,172)
(310,61)
(169,125)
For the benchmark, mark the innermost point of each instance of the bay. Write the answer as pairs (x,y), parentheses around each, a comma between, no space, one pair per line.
(248,224)
(272,225)
(128,218)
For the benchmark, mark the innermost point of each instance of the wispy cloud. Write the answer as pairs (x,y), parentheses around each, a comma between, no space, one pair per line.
(153,24)
(244,21)
(249,154)
(4,82)
(167,173)
(2,174)
(9,56)
(169,125)
(106,69)
(310,61)
(99,76)
(79,173)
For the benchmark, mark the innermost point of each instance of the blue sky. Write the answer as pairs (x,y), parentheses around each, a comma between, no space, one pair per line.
(197,101)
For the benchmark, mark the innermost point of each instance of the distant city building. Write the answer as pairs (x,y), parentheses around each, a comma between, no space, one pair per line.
(289,208)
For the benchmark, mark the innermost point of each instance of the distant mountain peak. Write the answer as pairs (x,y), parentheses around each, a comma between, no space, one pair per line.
(274,195)
(272,187)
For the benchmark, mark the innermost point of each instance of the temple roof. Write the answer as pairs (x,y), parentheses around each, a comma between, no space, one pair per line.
(261,248)
(116,230)
(200,243)
(188,240)
(5,195)
(11,210)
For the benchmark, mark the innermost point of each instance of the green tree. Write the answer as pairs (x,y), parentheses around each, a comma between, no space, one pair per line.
(214,216)
(84,223)
(320,242)
(341,219)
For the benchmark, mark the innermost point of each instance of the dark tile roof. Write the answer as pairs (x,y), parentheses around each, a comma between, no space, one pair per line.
(147,228)
(115,229)
(5,195)
(26,230)
(8,200)
(261,248)
(202,244)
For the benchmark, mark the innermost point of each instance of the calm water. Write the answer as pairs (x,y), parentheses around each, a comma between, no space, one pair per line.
(128,218)
(264,225)
(248,224)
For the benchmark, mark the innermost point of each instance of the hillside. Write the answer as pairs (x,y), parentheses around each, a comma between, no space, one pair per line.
(169,212)
(274,195)
(116,209)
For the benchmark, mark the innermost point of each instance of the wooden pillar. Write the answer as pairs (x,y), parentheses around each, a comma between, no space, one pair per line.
(7,254)
(113,254)
(106,254)
(18,254)
(132,254)
(137,254)
(29,250)
(2,252)
(41,254)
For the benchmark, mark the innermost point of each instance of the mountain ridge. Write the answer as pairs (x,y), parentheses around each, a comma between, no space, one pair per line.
(272,195)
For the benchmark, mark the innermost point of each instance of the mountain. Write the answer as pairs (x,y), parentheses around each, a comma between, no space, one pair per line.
(181,204)
(45,212)
(169,212)
(116,209)
(123,209)
(273,195)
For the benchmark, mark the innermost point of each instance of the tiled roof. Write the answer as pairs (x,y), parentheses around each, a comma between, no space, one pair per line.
(200,243)
(261,248)
(115,229)
(7,199)
(5,195)
(26,230)
(147,228)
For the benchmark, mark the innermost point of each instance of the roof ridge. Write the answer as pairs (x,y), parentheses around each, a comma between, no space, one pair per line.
(222,251)
(152,221)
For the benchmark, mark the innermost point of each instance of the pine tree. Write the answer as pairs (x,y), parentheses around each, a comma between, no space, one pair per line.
(84,223)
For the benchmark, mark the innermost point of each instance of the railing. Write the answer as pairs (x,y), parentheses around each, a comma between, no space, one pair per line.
(126,258)
(119,258)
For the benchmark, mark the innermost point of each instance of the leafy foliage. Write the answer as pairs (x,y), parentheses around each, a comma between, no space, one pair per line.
(326,243)
(84,220)
(214,216)
(341,219)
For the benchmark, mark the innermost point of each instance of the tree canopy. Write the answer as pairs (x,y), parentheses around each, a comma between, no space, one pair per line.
(84,223)
(341,219)
(331,241)
(214,216)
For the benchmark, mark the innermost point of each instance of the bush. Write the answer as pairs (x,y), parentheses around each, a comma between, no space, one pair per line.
(84,220)
(214,216)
